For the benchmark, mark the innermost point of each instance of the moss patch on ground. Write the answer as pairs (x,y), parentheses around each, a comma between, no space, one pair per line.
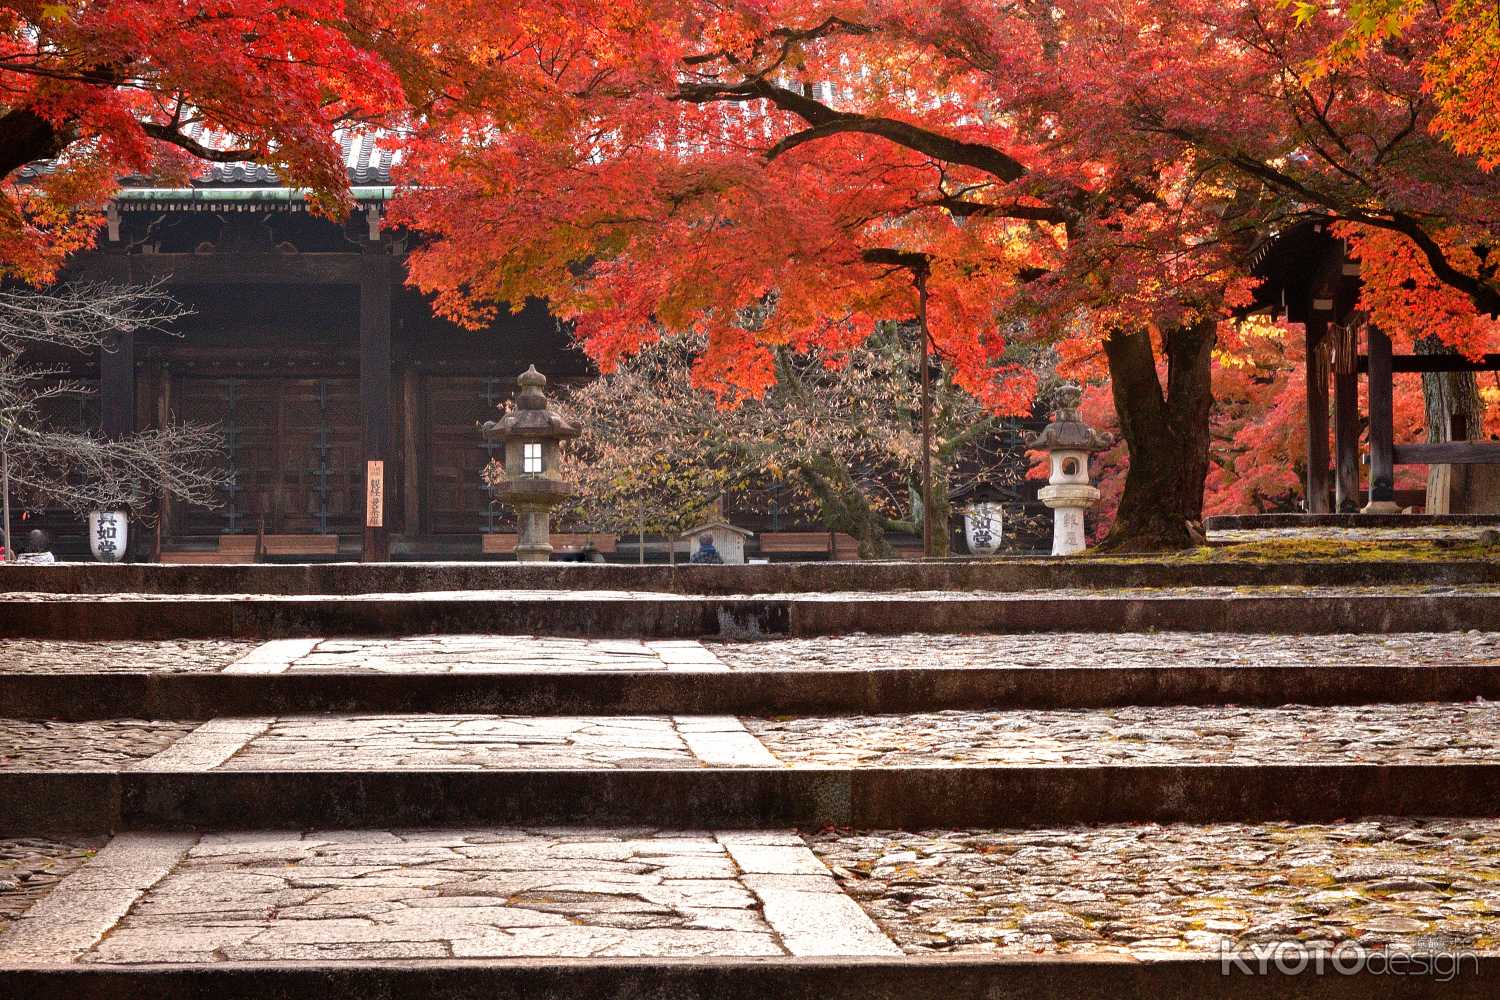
(1335,550)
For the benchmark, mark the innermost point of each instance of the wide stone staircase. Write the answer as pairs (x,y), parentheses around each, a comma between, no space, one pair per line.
(703,787)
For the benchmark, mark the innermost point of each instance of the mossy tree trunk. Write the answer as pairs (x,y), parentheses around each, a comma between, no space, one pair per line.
(1455,412)
(1166,432)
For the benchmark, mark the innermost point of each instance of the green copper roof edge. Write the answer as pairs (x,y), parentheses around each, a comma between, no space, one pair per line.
(254,194)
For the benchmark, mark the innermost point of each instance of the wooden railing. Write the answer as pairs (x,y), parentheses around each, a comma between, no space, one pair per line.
(1448,453)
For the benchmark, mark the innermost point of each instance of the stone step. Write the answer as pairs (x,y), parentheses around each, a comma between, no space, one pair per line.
(96,801)
(498,653)
(625,614)
(1135,763)
(1229,910)
(122,694)
(955,574)
(1178,735)
(898,978)
(525,674)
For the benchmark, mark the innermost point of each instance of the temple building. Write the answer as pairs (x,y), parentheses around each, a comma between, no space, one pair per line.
(315,361)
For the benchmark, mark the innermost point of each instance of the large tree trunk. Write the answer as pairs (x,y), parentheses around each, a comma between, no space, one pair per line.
(10,551)
(942,511)
(1166,434)
(1455,412)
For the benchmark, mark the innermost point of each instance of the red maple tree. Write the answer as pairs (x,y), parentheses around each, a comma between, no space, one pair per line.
(1098,175)
(104,88)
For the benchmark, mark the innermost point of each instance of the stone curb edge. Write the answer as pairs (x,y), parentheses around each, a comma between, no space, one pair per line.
(1056,978)
(749,617)
(747,798)
(774,578)
(78,696)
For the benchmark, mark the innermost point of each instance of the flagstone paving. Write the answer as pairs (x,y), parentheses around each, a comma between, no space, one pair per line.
(497,654)
(552,893)
(44,745)
(1431,884)
(1139,889)
(276,896)
(1432,732)
(30,867)
(473,742)
(860,651)
(1465,732)
(857,651)
(56,656)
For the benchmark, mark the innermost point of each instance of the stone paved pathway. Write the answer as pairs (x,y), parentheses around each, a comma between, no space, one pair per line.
(432,894)
(1387,590)
(327,896)
(488,654)
(43,745)
(1387,734)
(1464,732)
(447,893)
(58,656)
(31,867)
(1130,649)
(858,651)
(1145,888)
(474,742)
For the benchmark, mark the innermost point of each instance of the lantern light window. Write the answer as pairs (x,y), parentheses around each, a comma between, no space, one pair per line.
(531,458)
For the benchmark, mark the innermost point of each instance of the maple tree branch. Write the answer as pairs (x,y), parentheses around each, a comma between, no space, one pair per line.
(965,209)
(169,134)
(911,260)
(1485,296)
(789,37)
(825,122)
(921,140)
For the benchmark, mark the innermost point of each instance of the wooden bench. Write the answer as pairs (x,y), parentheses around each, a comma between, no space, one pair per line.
(503,543)
(249,548)
(231,549)
(203,557)
(784,543)
(299,545)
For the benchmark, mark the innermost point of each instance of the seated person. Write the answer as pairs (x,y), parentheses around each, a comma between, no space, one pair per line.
(706,553)
(38,547)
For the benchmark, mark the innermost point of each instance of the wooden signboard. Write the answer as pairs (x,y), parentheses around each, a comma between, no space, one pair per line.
(375,494)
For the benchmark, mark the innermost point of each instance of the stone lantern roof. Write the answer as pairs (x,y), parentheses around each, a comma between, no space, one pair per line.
(1068,432)
(531,417)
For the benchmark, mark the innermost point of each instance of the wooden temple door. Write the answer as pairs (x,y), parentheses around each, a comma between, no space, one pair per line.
(457,500)
(293,449)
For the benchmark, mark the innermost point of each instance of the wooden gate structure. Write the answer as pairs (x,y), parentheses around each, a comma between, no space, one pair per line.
(1310,278)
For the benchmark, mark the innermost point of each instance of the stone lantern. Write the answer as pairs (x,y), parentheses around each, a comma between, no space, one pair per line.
(1068,491)
(533,484)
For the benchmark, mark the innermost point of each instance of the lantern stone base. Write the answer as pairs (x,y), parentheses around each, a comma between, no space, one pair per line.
(1068,501)
(534,541)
